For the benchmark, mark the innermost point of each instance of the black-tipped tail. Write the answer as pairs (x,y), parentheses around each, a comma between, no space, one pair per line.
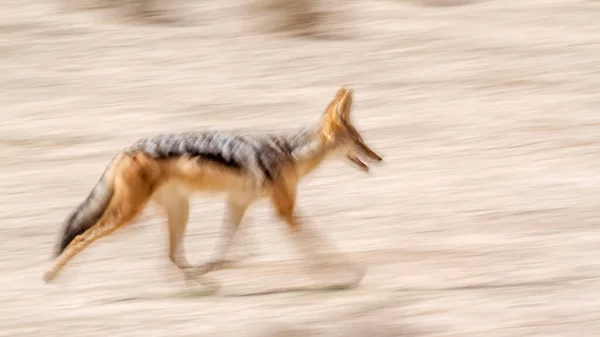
(87,213)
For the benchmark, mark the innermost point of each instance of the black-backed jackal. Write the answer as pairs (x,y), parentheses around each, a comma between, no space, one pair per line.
(167,169)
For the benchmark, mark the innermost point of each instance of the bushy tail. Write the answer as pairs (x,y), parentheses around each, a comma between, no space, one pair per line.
(87,213)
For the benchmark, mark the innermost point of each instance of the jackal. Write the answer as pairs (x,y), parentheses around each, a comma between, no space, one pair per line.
(167,169)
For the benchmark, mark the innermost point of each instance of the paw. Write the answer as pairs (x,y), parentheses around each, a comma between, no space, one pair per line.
(347,275)
(359,275)
(213,286)
(226,264)
(194,274)
(203,269)
(220,264)
(210,283)
(48,276)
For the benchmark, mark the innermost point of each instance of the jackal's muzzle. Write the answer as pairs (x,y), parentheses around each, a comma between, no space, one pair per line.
(363,156)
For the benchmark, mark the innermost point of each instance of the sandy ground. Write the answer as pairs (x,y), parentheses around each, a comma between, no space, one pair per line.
(482,222)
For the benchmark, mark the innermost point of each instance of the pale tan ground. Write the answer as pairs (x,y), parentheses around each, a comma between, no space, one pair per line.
(484,220)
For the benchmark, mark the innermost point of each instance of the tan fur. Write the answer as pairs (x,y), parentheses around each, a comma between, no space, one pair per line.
(138,179)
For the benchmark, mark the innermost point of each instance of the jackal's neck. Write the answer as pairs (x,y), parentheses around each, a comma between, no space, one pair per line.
(309,150)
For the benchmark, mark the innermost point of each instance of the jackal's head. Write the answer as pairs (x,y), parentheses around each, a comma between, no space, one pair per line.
(341,136)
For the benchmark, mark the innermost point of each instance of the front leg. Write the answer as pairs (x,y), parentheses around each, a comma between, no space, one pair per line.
(308,240)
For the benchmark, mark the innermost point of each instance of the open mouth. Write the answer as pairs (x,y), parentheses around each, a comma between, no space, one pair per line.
(366,156)
(359,163)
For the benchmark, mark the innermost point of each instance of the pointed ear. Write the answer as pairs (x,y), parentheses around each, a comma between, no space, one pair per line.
(332,108)
(345,104)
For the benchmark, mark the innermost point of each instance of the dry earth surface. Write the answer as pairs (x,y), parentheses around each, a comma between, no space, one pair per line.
(482,222)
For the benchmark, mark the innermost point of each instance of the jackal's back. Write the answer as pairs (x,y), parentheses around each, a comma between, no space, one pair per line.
(260,156)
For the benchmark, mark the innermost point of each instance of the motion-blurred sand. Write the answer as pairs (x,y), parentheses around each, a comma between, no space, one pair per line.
(482,222)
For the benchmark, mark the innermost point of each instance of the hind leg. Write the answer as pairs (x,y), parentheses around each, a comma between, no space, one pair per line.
(234,213)
(244,246)
(178,218)
(101,229)
(134,183)
(121,211)
(176,206)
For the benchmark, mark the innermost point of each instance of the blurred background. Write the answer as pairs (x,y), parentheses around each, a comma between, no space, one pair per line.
(483,220)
